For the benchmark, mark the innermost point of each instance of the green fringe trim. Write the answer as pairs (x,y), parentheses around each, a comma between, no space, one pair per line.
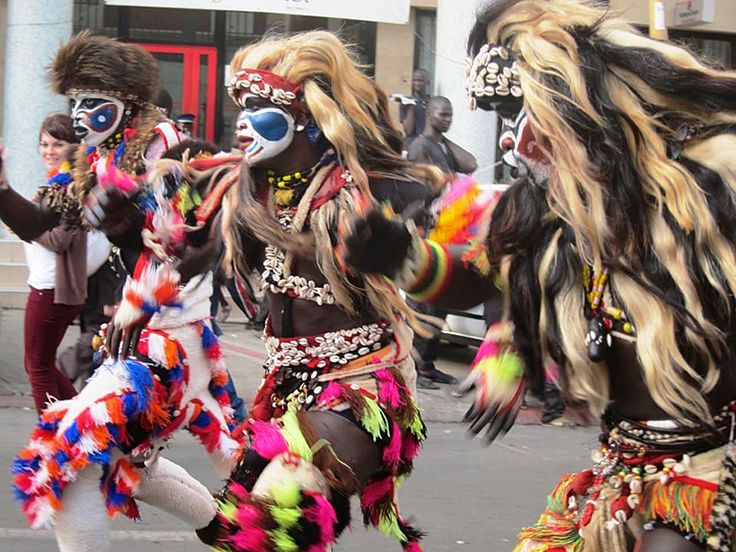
(553,527)
(288,495)
(293,434)
(227,509)
(282,541)
(286,517)
(416,426)
(388,525)
(374,420)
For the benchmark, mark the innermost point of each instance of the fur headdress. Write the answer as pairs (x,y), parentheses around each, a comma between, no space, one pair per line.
(101,64)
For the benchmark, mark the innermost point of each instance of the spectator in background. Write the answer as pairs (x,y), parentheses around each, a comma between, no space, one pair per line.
(57,272)
(185,124)
(104,288)
(433,148)
(412,112)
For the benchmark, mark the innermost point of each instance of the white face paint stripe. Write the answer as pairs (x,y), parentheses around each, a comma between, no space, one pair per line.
(261,148)
(80,116)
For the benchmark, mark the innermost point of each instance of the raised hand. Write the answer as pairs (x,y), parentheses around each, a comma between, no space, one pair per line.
(154,287)
(110,205)
(497,379)
(377,243)
(122,341)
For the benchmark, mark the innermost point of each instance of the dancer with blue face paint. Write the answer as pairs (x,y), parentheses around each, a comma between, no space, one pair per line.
(99,453)
(313,129)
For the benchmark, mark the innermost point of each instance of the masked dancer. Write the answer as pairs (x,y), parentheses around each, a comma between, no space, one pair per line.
(615,250)
(94,455)
(335,413)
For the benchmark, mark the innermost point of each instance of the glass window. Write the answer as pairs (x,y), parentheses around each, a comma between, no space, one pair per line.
(94,15)
(425,41)
(720,51)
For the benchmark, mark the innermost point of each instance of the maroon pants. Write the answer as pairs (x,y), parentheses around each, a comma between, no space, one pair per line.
(45,325)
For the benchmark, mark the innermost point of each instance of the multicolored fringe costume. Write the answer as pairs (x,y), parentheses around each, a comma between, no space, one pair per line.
(640,481)
(176,380)
(357,373)
(123,417)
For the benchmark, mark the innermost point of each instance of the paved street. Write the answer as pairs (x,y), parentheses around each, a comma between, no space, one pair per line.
(467,497)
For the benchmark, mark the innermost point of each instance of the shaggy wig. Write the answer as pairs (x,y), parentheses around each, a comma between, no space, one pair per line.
(100,64)
(352,113)
(638,134)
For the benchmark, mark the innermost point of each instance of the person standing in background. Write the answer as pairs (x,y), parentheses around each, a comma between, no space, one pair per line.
(185,124)
(433,148)
(412,112)
(57,272)
(104,288)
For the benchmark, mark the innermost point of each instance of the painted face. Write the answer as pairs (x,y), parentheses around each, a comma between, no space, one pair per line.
(96,116)
(263,131)
(52,150)
(523,153)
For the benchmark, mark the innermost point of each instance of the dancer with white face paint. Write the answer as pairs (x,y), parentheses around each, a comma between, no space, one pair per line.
(96,116)
(98,453)
(322,426)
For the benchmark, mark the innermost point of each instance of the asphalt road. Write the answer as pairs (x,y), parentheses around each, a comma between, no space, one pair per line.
(467,497)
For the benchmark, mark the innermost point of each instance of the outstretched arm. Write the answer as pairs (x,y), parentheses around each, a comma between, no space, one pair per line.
(443,276)
(24,217)
(429,272)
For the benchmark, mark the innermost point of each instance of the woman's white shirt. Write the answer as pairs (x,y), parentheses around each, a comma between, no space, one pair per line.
(41,266)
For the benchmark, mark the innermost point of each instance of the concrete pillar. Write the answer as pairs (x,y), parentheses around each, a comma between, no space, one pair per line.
(473,130)
(35,30)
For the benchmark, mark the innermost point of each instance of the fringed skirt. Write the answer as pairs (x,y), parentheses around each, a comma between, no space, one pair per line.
(356,373)
(127,410)
(634,487)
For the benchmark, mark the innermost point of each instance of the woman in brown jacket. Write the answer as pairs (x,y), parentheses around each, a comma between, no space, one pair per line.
(57,273)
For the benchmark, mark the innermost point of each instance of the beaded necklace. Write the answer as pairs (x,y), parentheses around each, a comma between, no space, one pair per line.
(601,317)
(289,188)
(115,144)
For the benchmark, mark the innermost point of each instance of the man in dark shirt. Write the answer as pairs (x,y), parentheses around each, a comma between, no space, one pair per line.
(412,110)
(433,148)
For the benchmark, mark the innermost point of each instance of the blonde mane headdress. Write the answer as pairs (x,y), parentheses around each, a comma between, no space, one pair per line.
(637,134)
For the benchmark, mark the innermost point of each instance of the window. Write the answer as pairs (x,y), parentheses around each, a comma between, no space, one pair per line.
(425,41)
(718,48)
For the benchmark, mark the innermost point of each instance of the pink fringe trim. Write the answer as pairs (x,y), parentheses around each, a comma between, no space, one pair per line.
(267,439)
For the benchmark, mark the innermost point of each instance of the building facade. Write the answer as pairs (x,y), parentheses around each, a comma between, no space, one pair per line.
(193,48)
(716,40)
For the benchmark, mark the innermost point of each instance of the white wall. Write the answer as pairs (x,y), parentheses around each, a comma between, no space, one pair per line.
(35,30)
(473,130)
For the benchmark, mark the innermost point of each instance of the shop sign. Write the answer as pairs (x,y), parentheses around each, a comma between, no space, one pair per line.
(385,11)
(694,12)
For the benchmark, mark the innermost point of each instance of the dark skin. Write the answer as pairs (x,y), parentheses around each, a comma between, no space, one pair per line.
(352,445)
(439,120)
(419,85)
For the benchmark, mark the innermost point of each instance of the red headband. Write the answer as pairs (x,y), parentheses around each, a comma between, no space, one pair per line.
(266,85)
